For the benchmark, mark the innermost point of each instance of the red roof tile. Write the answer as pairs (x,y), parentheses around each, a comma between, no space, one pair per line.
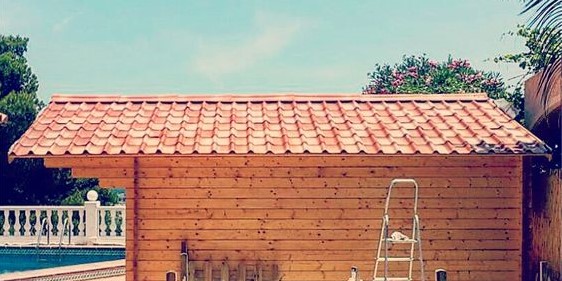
(371,124)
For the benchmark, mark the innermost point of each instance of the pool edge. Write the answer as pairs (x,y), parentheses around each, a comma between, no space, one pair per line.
(85,271)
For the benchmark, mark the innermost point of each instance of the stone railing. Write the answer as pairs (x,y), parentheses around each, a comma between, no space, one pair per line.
(63,225)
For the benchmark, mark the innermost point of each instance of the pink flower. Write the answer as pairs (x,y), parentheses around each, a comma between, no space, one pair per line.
(490,82)
(432,63)
(455,64)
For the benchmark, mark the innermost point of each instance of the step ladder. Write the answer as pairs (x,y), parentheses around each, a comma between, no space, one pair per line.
(386,239)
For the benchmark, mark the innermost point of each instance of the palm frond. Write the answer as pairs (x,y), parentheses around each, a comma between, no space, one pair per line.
(547,18)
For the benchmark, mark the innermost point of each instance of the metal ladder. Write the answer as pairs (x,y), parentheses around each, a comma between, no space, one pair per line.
(386,239)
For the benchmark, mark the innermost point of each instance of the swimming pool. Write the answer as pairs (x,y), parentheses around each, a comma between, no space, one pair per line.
(13,259)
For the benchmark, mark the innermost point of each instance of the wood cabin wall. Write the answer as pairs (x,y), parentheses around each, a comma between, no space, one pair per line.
(314,217)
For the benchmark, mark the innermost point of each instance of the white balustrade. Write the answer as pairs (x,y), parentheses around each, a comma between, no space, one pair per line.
(88,224)
(112,224)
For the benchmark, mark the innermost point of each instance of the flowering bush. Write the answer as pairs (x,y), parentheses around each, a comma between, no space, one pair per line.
(420,75)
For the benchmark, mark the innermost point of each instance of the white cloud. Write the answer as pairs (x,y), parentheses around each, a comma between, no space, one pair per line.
(274,34)
(62,24)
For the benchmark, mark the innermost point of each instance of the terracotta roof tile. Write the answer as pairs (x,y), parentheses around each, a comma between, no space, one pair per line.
(278,124)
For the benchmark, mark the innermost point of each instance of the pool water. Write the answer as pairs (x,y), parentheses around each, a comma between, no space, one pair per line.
(29,258)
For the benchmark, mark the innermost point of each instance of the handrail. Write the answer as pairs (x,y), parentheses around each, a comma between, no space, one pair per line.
(64,224)
(115,207)
(393,183)
(54,208)
(43,222)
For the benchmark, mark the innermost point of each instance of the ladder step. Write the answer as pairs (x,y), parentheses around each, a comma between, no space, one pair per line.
(392,279)
(396,259)
(405,241)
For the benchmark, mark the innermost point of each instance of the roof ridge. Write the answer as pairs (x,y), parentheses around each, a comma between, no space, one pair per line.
(299,97)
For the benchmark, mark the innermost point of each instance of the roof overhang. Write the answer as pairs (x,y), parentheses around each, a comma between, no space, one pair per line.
(279,125)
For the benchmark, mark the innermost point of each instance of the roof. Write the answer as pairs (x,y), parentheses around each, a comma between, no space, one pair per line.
(276,124)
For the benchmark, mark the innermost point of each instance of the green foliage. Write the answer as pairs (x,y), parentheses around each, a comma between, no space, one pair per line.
(25,181)
(533,59)
(542,50)
(21,109)
(107,197)
(546,25)
(420,75)
(15,74)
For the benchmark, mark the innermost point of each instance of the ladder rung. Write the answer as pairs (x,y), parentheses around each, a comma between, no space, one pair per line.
(392,279)
(396,259)
(405,241)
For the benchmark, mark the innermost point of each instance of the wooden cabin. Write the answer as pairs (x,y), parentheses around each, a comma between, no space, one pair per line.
(292,187)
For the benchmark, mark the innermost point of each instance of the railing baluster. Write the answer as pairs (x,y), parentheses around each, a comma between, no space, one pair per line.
(5,223)
(81,228)
(123,224)
(36,225)
(17,222)
(113,222)
(50,225)
(68,229)
(27,227)
(12,226)
(59,221)
(71,217)
(103,225)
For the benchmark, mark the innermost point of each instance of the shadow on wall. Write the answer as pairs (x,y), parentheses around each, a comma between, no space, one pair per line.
(521,147)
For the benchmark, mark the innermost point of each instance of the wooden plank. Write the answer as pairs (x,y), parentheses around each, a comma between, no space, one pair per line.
(329,192)
(327,161)
(208,276)
(334,255)
(464,203)
(116,182)
(320,182)
(275,172)
(242,271)
(129,228)
(92,172)
(259,272)
(307,172)
(444,224)
(298,245)
(332,234)
(322,265)
(374,213)
(88,161)
(191,270)
(225,272)
(275,276)
(343,275)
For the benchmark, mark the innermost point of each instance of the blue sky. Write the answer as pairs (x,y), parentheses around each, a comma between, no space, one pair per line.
(138,47)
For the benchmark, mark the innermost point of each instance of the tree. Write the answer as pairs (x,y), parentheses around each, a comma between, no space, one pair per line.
(15,74)
(420,75)
(534,61)
(546,24)
(25,181)
(78,196)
